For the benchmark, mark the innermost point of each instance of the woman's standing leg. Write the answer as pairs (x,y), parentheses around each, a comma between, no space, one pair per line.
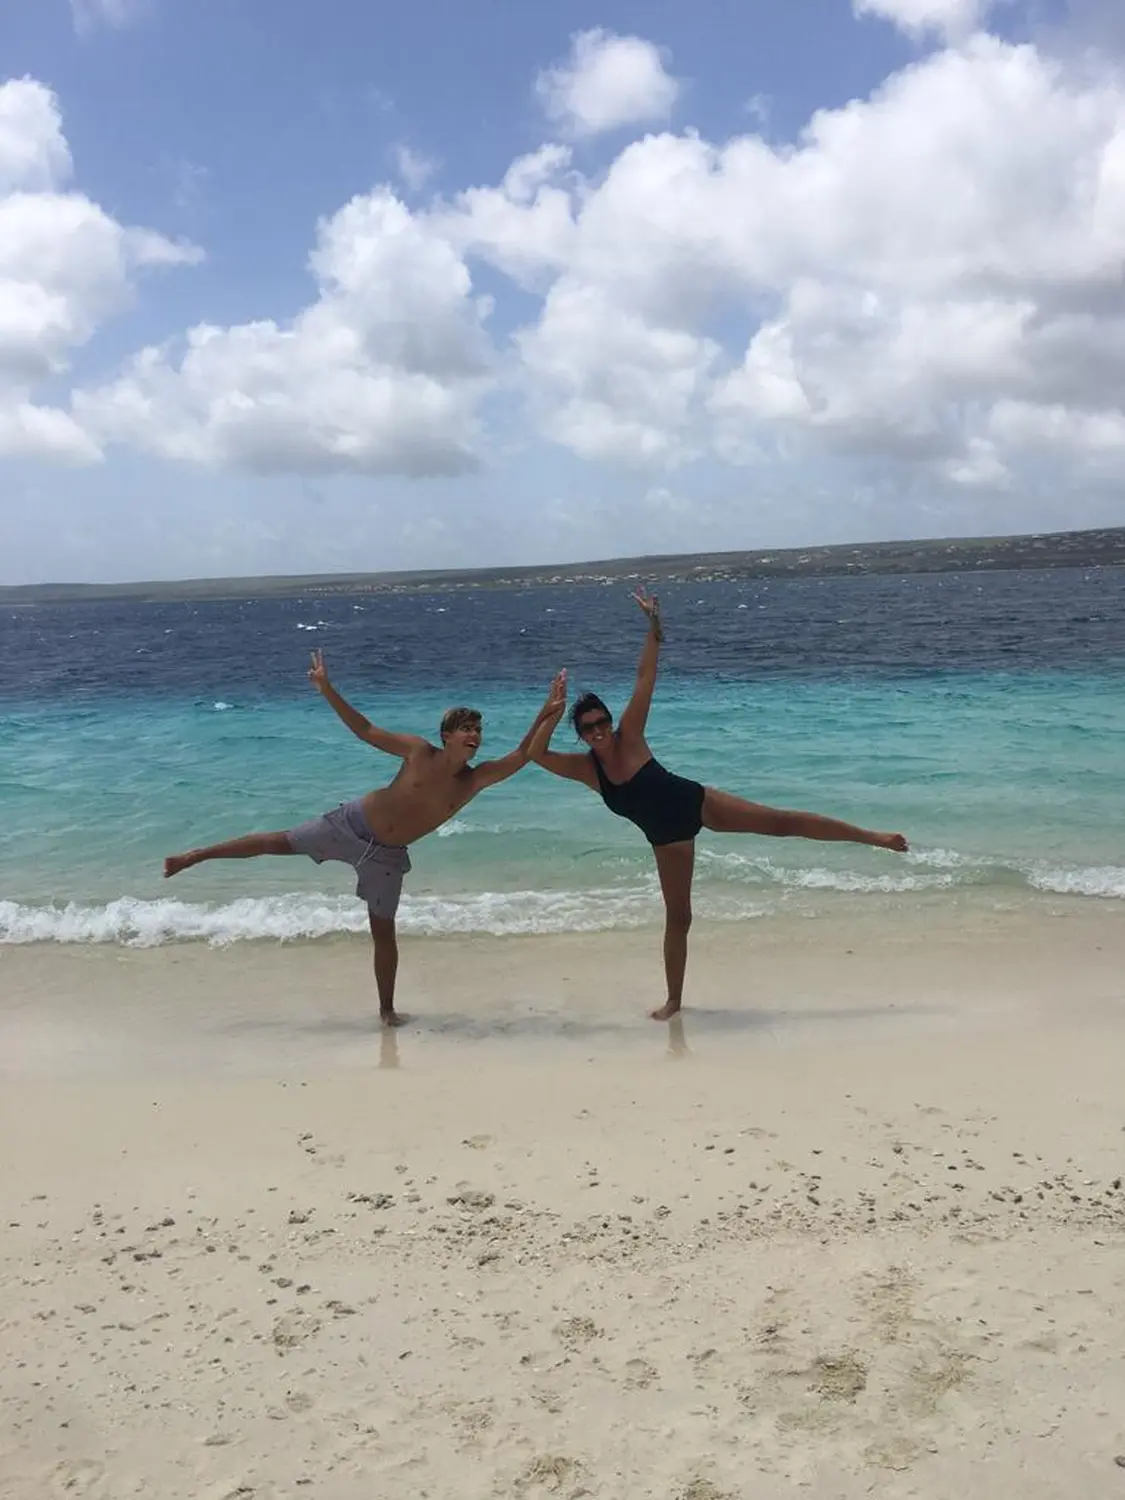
(675,864)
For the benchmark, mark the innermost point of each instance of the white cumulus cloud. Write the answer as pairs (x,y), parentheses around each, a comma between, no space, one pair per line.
(116,14)
(33,151)
(525,227)
(608,81)
(381,373)
(928,282)
(66,267)
(950,19)
(414,168)
(912,263)
(610,383)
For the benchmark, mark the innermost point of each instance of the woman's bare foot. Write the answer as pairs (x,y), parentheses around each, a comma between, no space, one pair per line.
(392,1018)
(893,841)
(177,862)
(666,1011)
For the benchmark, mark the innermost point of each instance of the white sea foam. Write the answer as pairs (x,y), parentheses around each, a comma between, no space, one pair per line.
(456,826)
(921,870)
(744,888)
(147,924)
(947,859)
(759,870)
(1106,881)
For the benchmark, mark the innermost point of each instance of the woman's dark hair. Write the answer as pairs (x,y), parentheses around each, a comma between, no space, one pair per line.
(583,706)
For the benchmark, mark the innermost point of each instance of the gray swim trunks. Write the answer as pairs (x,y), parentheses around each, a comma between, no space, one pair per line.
(343,835)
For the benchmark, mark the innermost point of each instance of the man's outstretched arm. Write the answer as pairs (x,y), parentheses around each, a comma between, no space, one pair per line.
(387,740)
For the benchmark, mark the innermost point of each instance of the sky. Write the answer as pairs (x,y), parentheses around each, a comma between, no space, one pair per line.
(300,287)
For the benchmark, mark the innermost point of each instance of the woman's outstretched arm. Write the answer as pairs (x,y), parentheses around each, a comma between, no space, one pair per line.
(571,767)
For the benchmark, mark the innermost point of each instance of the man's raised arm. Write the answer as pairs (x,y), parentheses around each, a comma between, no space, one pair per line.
(387,740)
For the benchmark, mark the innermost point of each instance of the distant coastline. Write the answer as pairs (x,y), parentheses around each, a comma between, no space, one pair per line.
(1054,549)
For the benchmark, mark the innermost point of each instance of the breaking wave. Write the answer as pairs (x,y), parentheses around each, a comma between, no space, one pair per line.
(732,887)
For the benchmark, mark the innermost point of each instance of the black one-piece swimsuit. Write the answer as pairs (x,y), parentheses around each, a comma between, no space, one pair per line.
(668,809)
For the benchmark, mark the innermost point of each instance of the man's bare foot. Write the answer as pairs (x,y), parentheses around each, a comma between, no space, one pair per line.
(893,841)
(177,862)
(392,1018)
(666,1012)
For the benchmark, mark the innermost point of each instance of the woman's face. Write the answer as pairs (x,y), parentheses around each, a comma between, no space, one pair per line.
(595,728)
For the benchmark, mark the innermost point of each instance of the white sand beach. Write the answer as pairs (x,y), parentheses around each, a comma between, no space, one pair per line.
(855,1229)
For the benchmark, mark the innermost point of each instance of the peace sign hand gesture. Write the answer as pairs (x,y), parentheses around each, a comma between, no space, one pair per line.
(648,602)
(651,606)
(318,672)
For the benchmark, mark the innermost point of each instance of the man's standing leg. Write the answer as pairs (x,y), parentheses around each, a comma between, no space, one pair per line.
(380,872)
(385,938)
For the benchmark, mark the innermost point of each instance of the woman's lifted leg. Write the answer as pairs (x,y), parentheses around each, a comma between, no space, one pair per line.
(723,812)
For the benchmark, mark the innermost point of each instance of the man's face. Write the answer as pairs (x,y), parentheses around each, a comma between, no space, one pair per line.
(465,740)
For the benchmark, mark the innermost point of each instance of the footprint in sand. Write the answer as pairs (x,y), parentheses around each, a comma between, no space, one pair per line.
(639,1375)
(550,1474)
(887,1296)
(472,1419)
(914,1402)
(78,1476)
(228,1489)
(806,1398)
(703,1489)
(932,1375)
(293,1329)
(576,1333)
(551,1401)
(838,1377)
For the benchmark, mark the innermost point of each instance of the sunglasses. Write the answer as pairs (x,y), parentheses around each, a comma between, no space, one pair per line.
(587,726)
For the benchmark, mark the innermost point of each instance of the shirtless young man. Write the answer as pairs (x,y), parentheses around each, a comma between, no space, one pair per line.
(372,833)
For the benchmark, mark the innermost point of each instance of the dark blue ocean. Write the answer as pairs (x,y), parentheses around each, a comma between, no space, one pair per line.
(983,715)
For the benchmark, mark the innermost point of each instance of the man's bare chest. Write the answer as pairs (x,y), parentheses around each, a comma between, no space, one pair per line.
(422,786)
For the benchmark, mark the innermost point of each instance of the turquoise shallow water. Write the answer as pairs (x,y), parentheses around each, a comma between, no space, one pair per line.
(1003,766)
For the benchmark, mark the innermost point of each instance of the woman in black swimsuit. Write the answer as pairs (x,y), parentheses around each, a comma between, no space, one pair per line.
(670,810)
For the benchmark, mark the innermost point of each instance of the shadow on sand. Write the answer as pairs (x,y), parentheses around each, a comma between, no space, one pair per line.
(694,1025)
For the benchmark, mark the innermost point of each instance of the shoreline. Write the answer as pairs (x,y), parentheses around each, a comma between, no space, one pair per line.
(261,1004)
(233,921)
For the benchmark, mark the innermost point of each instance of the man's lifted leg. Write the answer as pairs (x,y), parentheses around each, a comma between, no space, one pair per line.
(250,846)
